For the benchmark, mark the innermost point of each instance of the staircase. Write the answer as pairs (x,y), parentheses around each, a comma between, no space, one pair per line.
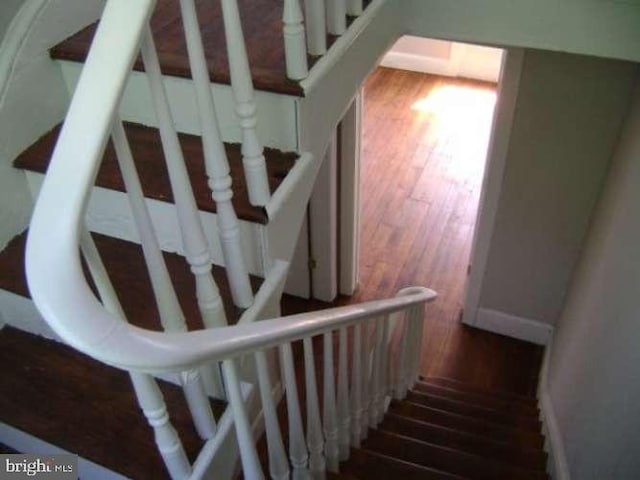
(182,174)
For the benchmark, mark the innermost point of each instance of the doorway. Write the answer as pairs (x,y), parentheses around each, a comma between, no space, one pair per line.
(425,137)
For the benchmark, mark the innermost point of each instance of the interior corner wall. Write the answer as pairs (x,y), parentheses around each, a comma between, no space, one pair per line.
(8,9)
(594,362)
(566,124)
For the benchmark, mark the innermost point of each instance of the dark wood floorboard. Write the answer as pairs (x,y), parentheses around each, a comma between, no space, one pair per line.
(150,163)
(424,143)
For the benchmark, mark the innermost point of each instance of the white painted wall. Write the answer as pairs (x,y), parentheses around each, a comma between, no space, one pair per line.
(442,57)
(603,28)
(567,119)
(594,363)
(33,96)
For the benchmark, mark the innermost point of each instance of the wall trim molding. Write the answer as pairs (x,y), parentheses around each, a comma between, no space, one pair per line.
(514,326)
(557,465)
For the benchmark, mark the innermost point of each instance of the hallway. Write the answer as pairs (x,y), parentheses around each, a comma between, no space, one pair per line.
(424,142)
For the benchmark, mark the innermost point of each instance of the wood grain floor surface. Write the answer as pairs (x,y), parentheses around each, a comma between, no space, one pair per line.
(424,143)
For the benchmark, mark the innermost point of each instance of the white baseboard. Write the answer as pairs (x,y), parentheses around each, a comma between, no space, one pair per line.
(513,326)
(557,465)
(27,443)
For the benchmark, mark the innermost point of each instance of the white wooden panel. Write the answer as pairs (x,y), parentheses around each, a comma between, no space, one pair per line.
(136,107)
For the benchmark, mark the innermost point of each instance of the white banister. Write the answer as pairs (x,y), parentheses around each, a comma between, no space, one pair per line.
(376,411)
(153,406)
(336,16)
(248,455)
(316,25)
(145,387)
(295,48)
(278,464)
(344,415)
(194,241)
(374,376)
(216,162)
(356,387)
(354,7)
(297,449)
(364,386)
(400,390)
(385,386)
(253,160)
(315,439)
(171,315)
(331,449)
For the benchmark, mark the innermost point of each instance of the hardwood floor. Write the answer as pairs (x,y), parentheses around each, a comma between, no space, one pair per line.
(424,144)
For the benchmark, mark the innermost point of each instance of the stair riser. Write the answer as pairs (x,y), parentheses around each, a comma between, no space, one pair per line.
(477,399)
(474,444)
(445,459)
(461,408)
(108,213)
(137,107)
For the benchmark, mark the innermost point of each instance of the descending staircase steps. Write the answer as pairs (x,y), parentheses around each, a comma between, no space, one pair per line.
(446,438)
(85,407)
(149,159)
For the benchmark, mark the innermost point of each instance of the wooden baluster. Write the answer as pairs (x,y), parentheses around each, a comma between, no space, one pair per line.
(336,16)
(316,26)
(354,7)
(295,48)
(248,455)
(356,386)
(145,387)
(195,244)
(278,464)
(171,315)
(329,407)
(255,169)
(152,404)
(298,454)
(216,162)
(400,390)
(344,416)
(315,439)
(365,371)
(375,375)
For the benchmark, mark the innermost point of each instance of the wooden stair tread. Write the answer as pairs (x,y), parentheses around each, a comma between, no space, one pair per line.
(475,398)
(445,459)
(464,423)
(127,269)
(262,27)
(83,406)
(454,384)
(525,422)
(149,158)
(366,464)
(534,459)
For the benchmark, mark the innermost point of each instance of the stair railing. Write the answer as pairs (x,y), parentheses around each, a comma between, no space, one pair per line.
(216,162)
(321,17)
